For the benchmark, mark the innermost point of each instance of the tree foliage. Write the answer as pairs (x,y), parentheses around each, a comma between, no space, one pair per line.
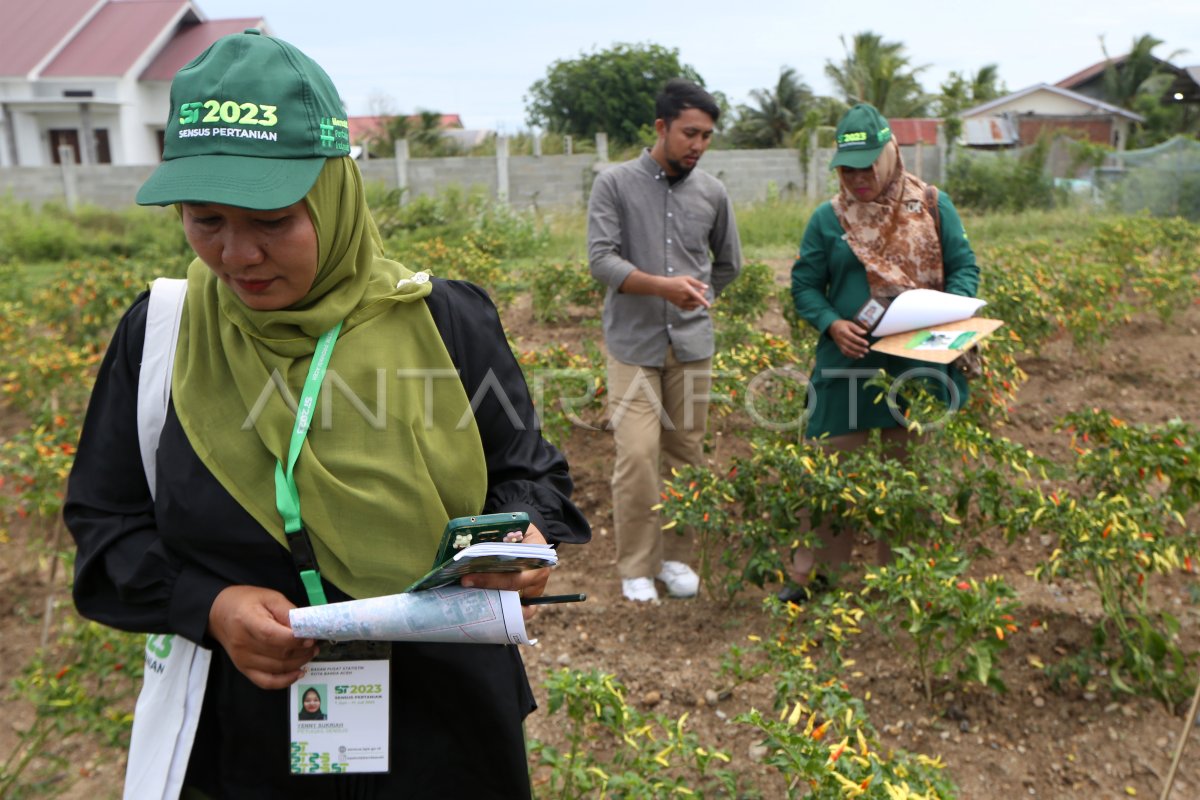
(776,114)
(961,90)
(609,90)
(1139,82)
(1140,72)
(880,73)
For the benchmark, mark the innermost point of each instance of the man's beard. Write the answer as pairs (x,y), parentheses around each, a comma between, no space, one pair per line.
(680,170)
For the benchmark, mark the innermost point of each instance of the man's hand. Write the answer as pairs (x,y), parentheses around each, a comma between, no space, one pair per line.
(529,582)
(251,623)
(850,337)
(685,292)
(680,290)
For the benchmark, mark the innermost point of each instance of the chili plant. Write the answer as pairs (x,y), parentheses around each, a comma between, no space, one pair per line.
(1122,525)
(647,755)
(84,686)
(831,757)
(956,625)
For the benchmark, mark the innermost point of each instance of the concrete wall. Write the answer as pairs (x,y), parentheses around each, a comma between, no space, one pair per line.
(92,184)
(751,175)
(533,181)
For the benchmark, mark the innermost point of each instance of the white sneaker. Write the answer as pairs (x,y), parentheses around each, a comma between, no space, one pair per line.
(680,579)
(639,590)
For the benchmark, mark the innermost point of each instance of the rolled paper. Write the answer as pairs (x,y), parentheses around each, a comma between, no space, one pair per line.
(447,614)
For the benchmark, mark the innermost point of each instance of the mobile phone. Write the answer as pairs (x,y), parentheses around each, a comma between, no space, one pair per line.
(463,532)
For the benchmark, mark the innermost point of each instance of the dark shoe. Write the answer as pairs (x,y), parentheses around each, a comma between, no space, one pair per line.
(795,593)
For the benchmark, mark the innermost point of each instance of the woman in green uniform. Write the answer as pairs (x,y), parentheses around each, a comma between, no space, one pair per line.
(885,232)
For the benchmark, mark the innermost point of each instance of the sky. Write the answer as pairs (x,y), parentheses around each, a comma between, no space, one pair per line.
(478,59)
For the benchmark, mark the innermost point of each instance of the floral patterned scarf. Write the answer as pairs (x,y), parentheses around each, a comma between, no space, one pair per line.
(894,236)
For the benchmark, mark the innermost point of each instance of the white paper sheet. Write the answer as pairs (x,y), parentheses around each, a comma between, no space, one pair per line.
(448,614)
(922,308)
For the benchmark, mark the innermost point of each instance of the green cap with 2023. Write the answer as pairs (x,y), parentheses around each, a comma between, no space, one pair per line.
(861,135)
(252,122)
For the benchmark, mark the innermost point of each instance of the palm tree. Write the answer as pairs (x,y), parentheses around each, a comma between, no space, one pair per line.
(986,84)
(879,73)
(1125,79)
(776,114)
(961,91)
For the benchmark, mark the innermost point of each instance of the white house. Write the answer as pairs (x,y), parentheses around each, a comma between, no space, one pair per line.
(95,75)
(1019,118)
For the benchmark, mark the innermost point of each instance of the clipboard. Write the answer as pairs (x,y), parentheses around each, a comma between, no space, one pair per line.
(916,344)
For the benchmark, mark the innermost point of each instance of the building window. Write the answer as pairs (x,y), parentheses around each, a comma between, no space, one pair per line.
(70,136)
(61,136)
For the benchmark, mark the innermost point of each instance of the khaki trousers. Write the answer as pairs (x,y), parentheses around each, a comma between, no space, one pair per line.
(658,417)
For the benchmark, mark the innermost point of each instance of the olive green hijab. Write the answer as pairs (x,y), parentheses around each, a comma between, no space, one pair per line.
(393,451)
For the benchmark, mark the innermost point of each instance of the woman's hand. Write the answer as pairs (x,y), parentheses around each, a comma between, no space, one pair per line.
(528,583)
(850,337)
(251,623)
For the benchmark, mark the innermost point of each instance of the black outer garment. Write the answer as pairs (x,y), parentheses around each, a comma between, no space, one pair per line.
(155,566)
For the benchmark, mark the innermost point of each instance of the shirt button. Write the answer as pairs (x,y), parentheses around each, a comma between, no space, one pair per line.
(669,214)
(668,241)
(670,269)
(668,326)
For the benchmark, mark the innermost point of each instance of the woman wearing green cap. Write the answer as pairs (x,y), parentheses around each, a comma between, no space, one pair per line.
(422,415)
(885,232)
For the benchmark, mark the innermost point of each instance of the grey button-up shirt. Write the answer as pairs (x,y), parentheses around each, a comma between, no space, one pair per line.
(638,220)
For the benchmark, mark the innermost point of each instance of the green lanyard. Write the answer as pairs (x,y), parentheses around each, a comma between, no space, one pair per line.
(287,496)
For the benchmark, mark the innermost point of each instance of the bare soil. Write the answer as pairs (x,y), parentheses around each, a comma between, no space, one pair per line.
(1033,741)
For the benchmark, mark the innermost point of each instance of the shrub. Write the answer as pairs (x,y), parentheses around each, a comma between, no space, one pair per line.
(1000,182)
(555,287)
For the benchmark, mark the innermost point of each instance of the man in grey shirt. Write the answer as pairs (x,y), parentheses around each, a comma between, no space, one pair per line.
(662,238)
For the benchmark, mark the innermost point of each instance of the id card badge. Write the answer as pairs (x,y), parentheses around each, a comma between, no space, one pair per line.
(338,711)
(871,312)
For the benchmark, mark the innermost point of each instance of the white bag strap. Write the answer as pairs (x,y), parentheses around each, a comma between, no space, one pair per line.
(158,362)
(168,707)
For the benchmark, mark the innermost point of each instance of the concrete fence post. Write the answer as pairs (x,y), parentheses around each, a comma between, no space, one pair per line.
(943,152)
(66,160)
(601,146)
(811,186)
(401,148)
(537,145)
(568,145)
(502,169)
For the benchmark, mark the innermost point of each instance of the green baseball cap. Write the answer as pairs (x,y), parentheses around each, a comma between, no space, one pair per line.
(861,135)
(252,122)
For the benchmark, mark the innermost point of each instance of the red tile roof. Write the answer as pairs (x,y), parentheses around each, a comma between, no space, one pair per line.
(365,127)
(115,38)
(910,131)
(1087,73)
(190,41)
(31,29)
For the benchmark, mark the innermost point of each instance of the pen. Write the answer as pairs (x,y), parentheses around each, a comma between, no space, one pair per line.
(553,598)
